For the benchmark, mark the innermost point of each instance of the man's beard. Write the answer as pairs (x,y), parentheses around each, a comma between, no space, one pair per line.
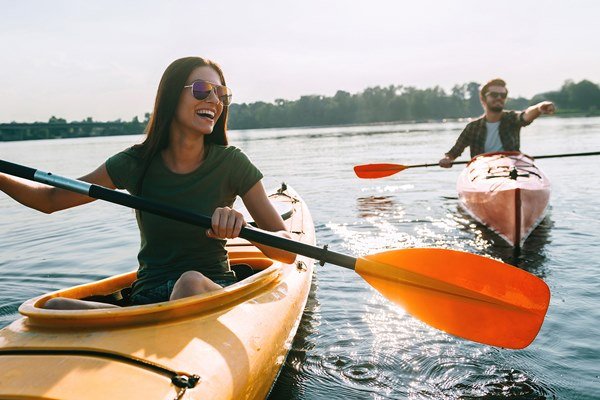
(496,108)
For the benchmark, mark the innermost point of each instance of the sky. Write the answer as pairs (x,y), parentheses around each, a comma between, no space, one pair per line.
(104,59)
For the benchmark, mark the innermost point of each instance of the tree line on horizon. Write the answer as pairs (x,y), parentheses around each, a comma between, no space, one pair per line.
(372,105)
(400,103)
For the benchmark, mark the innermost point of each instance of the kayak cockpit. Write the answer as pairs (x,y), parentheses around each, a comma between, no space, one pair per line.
(243,269)
(260,274)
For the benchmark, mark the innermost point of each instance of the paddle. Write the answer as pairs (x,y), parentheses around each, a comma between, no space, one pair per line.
(466,295)
(374,171)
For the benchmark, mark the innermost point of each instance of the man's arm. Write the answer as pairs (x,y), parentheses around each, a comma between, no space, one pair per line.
(462,142)
(545,107)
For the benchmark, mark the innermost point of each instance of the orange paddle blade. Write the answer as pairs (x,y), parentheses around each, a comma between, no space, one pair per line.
(466,295)
(373,171)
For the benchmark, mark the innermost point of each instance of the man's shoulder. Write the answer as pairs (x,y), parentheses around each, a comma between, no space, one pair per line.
(475,123)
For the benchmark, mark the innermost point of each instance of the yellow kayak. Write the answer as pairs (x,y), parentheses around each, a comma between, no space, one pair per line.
(227,344)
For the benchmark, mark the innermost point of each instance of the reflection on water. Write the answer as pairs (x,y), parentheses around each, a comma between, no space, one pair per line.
(293,373)
(531,257)
(374,206)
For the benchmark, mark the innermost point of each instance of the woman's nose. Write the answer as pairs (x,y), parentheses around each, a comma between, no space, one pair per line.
(212,97)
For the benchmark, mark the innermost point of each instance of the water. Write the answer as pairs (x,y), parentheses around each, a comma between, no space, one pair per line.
(352,343)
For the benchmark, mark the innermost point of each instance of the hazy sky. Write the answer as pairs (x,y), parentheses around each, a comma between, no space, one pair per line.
(104,59)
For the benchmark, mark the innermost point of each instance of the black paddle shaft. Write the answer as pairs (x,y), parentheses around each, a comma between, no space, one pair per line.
(591,153)
(165,210)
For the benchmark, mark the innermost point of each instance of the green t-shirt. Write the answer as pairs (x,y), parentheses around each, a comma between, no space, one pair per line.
(168,247)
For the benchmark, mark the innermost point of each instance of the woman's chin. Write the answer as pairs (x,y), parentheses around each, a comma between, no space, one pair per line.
(204,129)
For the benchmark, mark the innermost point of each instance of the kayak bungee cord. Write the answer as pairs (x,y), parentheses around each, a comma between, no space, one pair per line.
(180,379)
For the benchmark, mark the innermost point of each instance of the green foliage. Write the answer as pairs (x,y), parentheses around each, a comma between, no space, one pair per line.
(376,104)
(396,103)
(582,97)
(520,103)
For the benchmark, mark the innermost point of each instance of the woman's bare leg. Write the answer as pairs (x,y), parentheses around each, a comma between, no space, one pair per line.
(191,283)
(63,303)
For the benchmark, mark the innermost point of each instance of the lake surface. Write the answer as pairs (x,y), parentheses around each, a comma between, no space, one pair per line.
(353,343)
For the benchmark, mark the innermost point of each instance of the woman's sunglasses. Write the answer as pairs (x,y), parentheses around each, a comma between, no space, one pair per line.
(201,90)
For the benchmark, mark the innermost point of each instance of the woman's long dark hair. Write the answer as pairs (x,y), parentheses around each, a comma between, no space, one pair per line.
(167,99)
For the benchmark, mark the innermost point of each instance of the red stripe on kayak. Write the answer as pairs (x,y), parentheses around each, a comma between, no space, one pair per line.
(518,218)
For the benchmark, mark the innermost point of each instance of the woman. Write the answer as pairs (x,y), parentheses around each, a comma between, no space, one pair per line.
(185,161)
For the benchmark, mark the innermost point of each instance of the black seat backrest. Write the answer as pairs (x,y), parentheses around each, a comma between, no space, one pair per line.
(242,271)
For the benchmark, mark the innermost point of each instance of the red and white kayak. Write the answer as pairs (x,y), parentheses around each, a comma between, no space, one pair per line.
(505,191)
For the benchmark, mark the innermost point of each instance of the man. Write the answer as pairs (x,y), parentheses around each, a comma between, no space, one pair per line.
(496,130)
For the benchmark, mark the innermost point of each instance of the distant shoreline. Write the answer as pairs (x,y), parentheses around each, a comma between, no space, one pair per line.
(19,131)
(377,105)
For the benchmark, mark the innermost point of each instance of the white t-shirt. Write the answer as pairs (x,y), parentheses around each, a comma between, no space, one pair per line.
(492,139)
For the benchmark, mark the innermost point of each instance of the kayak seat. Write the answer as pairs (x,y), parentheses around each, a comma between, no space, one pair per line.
(242,271)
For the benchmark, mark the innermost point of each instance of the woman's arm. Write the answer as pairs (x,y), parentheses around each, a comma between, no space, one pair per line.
(227,223)
(266,217)
(48,199)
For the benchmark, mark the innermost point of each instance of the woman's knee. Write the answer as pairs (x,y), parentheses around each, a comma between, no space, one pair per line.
(191,283)
(191,279)
(192,276)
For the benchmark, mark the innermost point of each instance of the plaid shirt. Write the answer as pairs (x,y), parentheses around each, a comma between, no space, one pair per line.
(475,133)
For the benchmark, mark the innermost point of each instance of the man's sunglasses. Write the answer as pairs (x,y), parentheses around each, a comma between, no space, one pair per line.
(201,90)
(495,95)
